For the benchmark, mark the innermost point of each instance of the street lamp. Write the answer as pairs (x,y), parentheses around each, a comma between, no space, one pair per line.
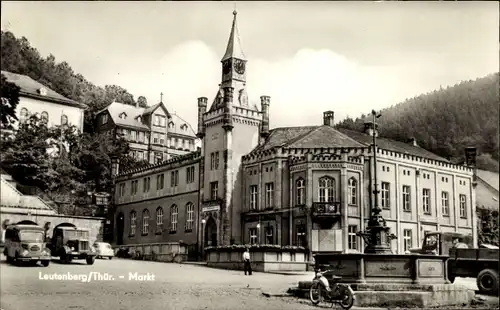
(377,235)
(202,251)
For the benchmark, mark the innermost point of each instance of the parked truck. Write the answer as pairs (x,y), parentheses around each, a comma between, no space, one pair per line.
(24,243)
(465,261)
(69,242)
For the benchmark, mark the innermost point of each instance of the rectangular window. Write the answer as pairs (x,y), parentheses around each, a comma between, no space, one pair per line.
(214,161)
(269,195)
(426,200)
(155,138)
(385,195)
(301,235)
(122,189)
(445,204)
(214,190)
(407,239)
(463,206)
(158,157)
(173,219)
(253,197)
(104,118)
(133,187)
(133,135)
(189,175)
(252,232)
(160,181)
(406,198)
(269,235)
(141,137)
(174,178)
(162,139)
(159,120)
(301,189)
(189,217)
(352,230)
(146,184)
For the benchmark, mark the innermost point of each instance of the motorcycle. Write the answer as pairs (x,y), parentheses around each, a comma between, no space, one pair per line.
(339,293)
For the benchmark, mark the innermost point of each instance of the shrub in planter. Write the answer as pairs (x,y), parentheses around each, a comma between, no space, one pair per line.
(256,247)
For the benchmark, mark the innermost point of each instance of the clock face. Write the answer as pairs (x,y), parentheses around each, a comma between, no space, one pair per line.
(226,67)
(239,66)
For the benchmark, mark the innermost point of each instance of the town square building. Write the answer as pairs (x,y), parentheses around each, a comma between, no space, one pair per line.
(310,186)
(52,107)
(153,133)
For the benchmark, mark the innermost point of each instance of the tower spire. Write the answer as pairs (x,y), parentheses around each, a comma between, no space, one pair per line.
(233,49)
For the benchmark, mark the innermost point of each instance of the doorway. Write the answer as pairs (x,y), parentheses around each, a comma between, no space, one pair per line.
(211,232)
(120,226)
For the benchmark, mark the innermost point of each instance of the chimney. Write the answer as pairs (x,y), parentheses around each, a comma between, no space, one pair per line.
(228,103)
(413,141)
(264,125)
(202,109)
(328,118)
(370,129)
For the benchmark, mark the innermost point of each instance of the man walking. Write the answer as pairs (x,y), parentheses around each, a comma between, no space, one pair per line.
(246,262)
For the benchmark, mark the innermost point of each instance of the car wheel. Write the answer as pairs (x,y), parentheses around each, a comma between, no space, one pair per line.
(45,263)
(90,260)
(487,281)
(111,257)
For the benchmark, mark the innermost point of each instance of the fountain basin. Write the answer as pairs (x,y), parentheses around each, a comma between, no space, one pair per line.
(391,280)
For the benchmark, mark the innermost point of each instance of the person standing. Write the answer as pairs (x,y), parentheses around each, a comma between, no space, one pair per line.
(246,261)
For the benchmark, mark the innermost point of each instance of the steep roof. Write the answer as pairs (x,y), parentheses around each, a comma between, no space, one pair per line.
(392,145)
(233,48)
(326,136)
(31,88)
(115,109)
(489,177)
(177,125)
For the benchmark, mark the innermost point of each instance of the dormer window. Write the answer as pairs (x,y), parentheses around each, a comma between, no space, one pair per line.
(123,115)
(64,120)
(184,127)
(139,119)
(43,91)
(171,125)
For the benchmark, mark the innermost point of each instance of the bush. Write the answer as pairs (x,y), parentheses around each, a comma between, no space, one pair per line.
(256,247)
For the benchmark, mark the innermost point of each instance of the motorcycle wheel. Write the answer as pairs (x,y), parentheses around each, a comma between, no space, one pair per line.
(315,293)
(347,299)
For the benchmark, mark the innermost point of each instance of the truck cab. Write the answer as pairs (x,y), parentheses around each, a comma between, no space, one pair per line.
(25,243)
(70,242)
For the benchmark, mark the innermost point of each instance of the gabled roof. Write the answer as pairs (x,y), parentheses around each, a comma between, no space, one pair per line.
(31,88)
(151,109)
(177,125)
(132,112)
(489,177)
(326,136)
(392,145)
(233,49)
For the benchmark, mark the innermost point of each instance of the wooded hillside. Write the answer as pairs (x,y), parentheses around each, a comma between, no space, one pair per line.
(447,120)
(18,56)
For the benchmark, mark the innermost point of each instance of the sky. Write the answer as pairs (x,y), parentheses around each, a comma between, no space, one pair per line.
(348,57)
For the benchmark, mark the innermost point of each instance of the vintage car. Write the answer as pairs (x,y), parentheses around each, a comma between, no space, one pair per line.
(103,250)
(69,242)
(25,242)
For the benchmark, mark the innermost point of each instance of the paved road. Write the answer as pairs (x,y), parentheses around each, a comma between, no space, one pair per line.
(174,286)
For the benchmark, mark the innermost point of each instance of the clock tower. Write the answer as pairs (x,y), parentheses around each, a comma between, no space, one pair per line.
(229,129)
(234,66)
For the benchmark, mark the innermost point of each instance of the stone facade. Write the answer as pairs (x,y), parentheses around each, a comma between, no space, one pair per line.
(308,186)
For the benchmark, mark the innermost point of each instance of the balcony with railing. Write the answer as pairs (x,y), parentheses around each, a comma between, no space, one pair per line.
(326,210)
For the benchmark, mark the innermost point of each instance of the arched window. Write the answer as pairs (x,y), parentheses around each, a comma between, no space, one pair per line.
(23,115)
(189,216)
(45,117)
(326,189)
(64,120)
(300,191)
(353,191)
(174,213)
(159,219)
(133,222)
(145,222)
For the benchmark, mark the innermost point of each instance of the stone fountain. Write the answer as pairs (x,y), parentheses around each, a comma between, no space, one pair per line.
(383,279)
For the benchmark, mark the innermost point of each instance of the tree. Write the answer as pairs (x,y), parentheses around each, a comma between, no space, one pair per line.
(487,226)
(10,99)
(142,101)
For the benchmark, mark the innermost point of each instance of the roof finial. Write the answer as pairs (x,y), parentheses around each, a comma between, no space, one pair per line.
(161,97)
(234,10)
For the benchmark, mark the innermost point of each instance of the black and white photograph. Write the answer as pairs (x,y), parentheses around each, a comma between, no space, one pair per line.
(223,155)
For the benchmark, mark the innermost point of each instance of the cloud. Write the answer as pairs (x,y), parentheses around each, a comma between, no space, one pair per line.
(301,87)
